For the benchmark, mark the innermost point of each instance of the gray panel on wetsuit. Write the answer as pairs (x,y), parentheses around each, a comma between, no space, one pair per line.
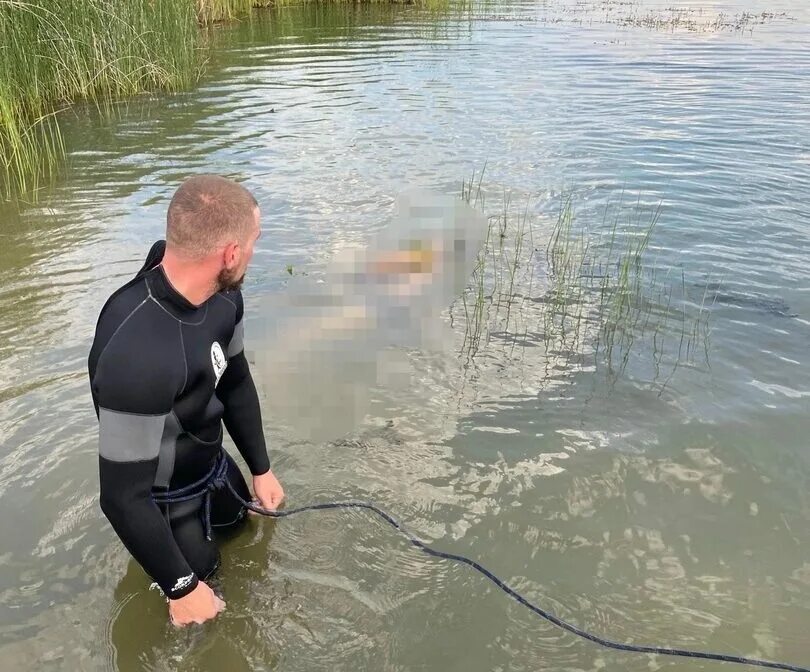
(129,437)
(238,341)
(168,451)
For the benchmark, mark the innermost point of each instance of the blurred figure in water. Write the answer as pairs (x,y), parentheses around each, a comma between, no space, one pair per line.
(333,339)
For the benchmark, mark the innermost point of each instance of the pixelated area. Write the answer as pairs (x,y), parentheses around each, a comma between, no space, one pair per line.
(328,341)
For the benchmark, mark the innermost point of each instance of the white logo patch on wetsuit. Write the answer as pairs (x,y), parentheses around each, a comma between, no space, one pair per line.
(218,361)
(183,582)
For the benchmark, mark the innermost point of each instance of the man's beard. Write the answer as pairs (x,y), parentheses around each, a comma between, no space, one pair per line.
(228,282)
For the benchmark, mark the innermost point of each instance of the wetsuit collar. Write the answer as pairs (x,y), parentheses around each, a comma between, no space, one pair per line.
(163,290)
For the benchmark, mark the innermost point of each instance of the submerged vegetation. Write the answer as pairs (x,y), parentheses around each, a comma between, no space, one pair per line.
(592,299)
(695,18)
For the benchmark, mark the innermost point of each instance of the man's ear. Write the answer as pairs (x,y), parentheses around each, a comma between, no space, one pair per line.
(230,255)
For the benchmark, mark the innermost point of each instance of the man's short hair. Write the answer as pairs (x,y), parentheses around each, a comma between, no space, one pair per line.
(208,211)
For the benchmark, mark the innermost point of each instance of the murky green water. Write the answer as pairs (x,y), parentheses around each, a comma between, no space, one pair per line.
(677,516)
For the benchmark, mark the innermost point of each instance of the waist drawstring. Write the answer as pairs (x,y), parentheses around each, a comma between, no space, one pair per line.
(214,480)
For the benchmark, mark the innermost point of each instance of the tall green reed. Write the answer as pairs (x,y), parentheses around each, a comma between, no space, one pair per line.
(52,54)
(594,300)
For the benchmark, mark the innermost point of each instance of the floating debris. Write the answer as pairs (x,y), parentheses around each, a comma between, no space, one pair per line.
(634,14)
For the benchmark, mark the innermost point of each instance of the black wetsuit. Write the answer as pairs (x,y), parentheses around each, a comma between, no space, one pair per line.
(164,375)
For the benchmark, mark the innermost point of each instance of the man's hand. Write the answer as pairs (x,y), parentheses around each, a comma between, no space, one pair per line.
(200,605)
(268,490)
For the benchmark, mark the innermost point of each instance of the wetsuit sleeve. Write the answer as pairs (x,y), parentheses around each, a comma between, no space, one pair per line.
(237,392)
(135,398)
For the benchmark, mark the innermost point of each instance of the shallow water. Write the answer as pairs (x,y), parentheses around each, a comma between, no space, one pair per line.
(674,515)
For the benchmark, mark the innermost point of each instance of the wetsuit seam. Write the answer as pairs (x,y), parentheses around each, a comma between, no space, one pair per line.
(135,461)
(169,313)
(222,296)
(121,326)
(174,317)
(179,424)
(205,443)
(183,430)
(185,360)
(140,415)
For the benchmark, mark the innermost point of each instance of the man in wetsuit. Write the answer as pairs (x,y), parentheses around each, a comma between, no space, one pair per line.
(167,368)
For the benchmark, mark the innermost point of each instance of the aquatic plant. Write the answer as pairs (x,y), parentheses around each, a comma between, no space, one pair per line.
(694,19)
(591,298)
(634,14)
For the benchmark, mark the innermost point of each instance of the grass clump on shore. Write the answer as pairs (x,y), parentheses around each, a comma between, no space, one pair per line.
(213,11)
(54,53)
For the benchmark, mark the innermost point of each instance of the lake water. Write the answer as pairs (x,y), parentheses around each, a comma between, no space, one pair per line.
(672,514)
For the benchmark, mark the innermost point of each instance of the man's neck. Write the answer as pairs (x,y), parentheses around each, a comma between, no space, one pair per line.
(191,278)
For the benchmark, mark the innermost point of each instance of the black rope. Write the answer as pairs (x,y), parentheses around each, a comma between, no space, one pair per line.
(560,623)
(205,487)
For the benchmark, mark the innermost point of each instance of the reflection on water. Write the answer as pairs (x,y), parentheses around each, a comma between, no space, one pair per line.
(677,519)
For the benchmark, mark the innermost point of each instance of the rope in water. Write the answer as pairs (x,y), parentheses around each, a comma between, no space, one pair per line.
(217,478)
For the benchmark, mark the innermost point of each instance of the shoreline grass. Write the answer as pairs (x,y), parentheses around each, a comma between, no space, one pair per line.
(79,50)
(53,55)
